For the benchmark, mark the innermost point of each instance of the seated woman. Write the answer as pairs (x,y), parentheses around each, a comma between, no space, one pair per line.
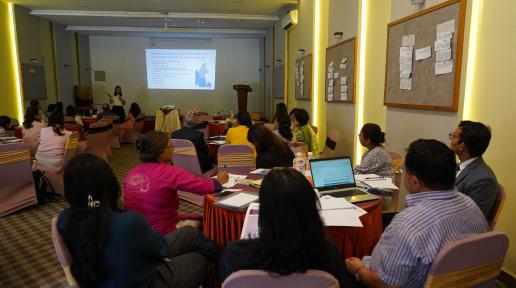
(270,149)
(294,126)
(151,187)
(292,237)
(115,248)
(130,120)
(72,115)
(284,128)
(52,141)
(281,110)
(306,134)
(238,134)
(376,160)
(31,127)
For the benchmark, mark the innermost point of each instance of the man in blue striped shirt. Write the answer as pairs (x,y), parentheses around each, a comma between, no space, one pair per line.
(436,215)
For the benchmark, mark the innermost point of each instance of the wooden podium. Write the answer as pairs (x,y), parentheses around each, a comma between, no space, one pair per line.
(242,90)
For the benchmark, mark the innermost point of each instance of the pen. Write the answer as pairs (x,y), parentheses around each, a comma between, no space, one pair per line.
(371,178)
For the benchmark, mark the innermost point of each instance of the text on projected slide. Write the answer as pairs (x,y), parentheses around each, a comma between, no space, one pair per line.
(181,68)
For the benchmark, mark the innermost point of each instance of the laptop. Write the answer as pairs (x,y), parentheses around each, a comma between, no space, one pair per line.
(334,176)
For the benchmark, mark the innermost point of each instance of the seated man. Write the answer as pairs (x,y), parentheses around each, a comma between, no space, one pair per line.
(196,137)
(436,215)
(105,111)
(474,178)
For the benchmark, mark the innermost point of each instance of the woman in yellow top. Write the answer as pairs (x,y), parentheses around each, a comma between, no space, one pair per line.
(238,134)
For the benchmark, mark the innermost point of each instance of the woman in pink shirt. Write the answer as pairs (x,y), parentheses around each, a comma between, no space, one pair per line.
(52,141)
(151,188)
(31,128)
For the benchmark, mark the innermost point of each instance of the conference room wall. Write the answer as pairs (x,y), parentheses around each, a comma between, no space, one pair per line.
(492,102)
(406,125)
(123,59)
(342,17)
(34,37)
(66,64)
(298,37)
(8,100)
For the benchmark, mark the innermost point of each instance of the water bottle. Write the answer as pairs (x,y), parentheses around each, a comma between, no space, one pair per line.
(307,164)
(299,162)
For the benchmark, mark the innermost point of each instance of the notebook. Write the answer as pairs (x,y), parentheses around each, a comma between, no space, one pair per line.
(334,176)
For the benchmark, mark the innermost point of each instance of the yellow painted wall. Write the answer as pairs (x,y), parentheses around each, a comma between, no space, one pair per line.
(8,97)
(493,103)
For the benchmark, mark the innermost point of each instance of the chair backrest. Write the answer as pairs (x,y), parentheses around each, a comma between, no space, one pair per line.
(138,126)
(331,142)
(397,162)
(298,147)
(70,148)
(261,278)
(16,184)
(63,255)
(236,158)
(494,213)
(474,261)
(98,138)
(185,156)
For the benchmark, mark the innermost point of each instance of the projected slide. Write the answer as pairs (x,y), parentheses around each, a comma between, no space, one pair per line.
(181,69)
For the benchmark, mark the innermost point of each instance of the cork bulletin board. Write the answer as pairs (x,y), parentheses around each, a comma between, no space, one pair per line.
(341,71)
(424,56)
(303,77)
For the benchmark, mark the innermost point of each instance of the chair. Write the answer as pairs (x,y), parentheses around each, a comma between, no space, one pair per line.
(261,278)
(55,174)
(298,147)
(110,136)
(331,143)
(185,156)
(494,213)
(63,255)
(17,189)
(236,158)
(131,135)
(474,261)
(115,141)
(98,137)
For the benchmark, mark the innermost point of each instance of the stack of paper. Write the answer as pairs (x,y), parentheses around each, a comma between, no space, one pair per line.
(339,212)
(443,47)
(250,229)
(375,181)
(238,201)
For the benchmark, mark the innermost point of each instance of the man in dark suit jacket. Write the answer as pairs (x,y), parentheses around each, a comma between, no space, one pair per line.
(196,137)
(474,177)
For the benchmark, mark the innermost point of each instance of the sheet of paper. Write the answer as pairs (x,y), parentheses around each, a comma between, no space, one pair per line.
(330,75)
(448,26)
(406,67)
(250,229)
(330,89)
(330,64)
(442,44)
(423,53)
(408,40)
(330,96)
(381,183)
(343,96)
(344,80)
(406,83)
(406,53)
(261,171)
(239,200)
(233,178)
(360,177)
(301,92)
(218,142)
(405,74)
(443,55)
(329,202)
(343,66)
(341,217)
(330,69)
(406,49)
(330,82)
(335,75)
(444,35)
(343,88)
(297,82)
(404,60)
(443,67)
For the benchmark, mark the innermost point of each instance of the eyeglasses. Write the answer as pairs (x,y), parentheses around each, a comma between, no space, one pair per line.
(452,135)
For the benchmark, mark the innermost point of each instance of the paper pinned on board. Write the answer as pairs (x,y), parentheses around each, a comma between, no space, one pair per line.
(343,65)
(343,96)
(330,82)
(330,75)
(423,53)
(330,89)
(336,75)
(443,55)
(408,40)
(343,88)
(442,44)
(330,97)
(406,83)
(343,80)
(448,26)
(405,74)
(443,67)
(444,35)
(406,67)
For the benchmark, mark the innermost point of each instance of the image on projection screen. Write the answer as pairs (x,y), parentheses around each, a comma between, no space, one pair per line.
(181,68)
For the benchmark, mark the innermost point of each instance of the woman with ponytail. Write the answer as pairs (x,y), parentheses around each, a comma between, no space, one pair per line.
(52,141)
(110,247)
(376,160)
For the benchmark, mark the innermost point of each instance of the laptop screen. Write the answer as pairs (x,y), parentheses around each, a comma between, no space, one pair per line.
(332,173)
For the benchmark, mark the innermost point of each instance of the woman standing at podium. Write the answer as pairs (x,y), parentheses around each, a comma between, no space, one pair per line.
(118,103)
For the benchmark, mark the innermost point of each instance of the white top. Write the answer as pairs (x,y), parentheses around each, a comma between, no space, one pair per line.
(117,101)
(463,165)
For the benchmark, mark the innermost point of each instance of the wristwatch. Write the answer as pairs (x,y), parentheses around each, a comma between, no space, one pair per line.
(357,273)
